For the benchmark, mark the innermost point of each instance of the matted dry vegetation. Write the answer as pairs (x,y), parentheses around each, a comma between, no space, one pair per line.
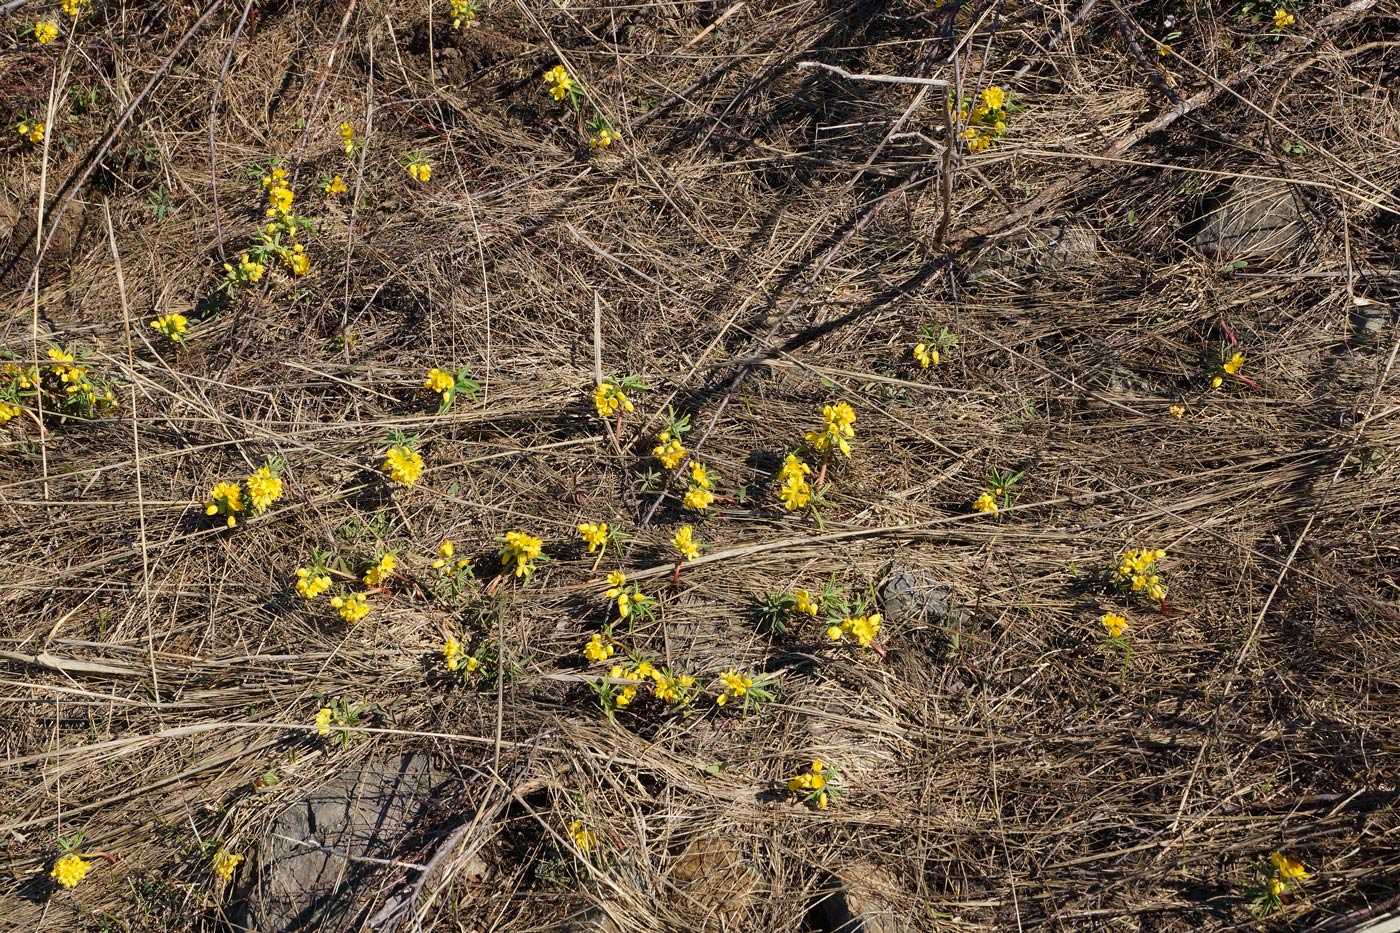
(763,239)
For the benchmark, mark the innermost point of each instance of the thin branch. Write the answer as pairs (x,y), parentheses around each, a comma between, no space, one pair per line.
(879,79)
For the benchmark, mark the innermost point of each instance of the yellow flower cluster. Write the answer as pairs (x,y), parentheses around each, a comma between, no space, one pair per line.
(226,499)
(862,628)
(403,464)
(247,272)
(347,136)
(264,487)
(74,7)
(811,786)
(8,411)
(439,381)
(283,223)
(312,582)
(987,120)
(558,82)
(1288,874)
(173,326)
(699,493)
(795,491)
(1283,19)
(669,449)
(598,648)
(602,139)
(70,869)
(628,597)
(226,863)
(45,31)
(419,168)
(595,534)
(335,186)
(352,608)
(32,130)
(582,836)
(1137,570)
(803,601)
(383,570)
(521,552)
(453,653)
(1114,624)
(672,688)
(608,397)
(229,500)
(72,386)
(1228,368)
(685,544)
(463,12)
(323,721)
(839,428)
(734,685)
(986,502)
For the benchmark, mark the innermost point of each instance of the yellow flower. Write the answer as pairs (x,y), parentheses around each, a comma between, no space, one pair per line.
(583,837)
(840,425)
(1177,411)
(986,503)
(323,721)
(735,685)
(594,535)
(863,628)
(226,863)
(8,411)
(668,450)
(225,499)
(439,381)
(1234,364)
(597,649)
(698,499)
(452,652)
(421,170)
(1288,869)
(381,571)
(172,325)
(33,130)
(45,32)
(1283,19)
(70,869)
(1114,624)
(684,543)
(608,397)
(803,602)
(993,98)
(335,186)
(463,11)
(296,260)
(1277,885)
(352,608)
(311,584)
(403,464)
(264,488)
(74,7)
(602,139)
(522,550)
(558,82)
(926,355)
(347,134)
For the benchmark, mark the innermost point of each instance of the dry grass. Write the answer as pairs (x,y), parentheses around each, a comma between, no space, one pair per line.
(762,241)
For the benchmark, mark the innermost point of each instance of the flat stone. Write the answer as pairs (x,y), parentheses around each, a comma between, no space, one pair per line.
(1056,245)
(1259,219)
(863,899)
(304,873)
(909,595)
(715,875)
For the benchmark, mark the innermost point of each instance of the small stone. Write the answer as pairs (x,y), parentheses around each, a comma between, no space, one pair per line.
(1259,219)
(912,596)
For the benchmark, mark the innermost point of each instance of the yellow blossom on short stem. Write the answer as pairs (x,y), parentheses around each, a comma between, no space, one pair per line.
(70,869)
(225,863)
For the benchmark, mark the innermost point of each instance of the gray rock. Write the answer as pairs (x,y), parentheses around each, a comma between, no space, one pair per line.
(909,595)
(308,873)
(1056,245)
(863,900)
(1259,219)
